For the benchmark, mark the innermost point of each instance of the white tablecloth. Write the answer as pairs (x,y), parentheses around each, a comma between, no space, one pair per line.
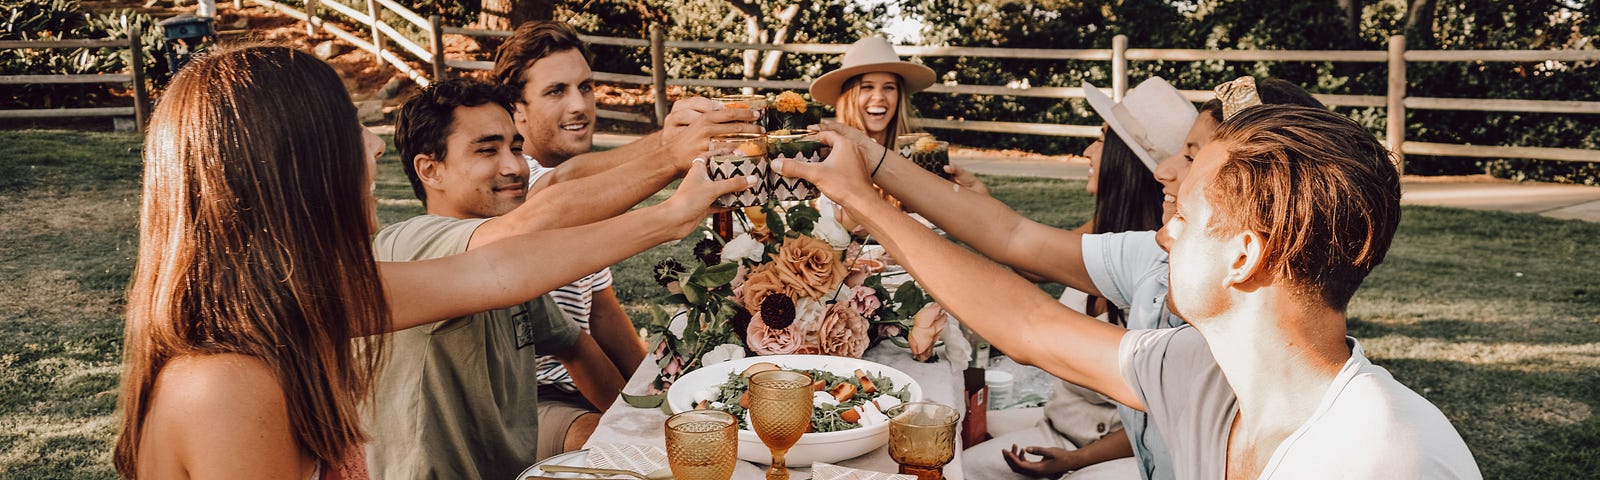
(941,382)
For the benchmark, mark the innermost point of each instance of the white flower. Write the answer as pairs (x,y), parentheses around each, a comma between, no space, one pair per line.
(680,321)
(831,231)
(743,247)
(722,353)
(808,315)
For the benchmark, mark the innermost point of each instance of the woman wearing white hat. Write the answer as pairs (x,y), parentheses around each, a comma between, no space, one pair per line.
(872,88)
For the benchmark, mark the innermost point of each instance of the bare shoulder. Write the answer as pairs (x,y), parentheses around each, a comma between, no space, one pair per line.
(205,410)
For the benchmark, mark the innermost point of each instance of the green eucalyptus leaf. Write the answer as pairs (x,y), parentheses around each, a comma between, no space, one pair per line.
(644,401)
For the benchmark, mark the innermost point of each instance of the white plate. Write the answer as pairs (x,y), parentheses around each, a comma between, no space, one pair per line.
(576,458)
(830,447)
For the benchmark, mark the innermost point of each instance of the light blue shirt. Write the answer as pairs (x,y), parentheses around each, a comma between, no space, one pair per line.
(1130,270)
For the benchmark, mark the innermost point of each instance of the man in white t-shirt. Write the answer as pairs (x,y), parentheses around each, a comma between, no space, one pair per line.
(1285,213)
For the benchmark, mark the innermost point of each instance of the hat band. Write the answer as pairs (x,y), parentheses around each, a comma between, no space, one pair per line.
(1140,135)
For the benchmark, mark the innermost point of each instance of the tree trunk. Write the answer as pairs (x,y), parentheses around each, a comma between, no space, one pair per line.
(508,14)
(1419,24)
(1352,18)
(769,65)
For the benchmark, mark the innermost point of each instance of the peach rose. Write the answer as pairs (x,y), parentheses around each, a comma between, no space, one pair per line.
(810,268)
(762,281)
(929,325)
(771,341)
(843,333)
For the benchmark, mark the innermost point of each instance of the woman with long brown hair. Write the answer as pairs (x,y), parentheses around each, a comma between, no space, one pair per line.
(255,271)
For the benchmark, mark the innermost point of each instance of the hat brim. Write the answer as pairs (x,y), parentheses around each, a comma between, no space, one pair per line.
(827,88)
(1105,106)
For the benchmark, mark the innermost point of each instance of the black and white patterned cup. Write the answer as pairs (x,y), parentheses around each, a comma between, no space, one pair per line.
(793,146)
(738,155)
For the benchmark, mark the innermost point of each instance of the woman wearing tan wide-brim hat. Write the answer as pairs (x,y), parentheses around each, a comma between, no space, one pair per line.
(872,89)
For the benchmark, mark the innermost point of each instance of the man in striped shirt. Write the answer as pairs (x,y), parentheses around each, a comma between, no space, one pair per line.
(547,65)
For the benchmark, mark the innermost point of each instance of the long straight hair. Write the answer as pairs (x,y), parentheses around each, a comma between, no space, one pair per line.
(1128,198)
(254,240)
(850,112)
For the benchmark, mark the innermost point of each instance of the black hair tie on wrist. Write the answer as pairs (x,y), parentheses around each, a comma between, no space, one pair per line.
(880,163)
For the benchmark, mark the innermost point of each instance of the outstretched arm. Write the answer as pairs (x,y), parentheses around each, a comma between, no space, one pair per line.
(975,218)
(1006,310)
(608,193)
(521,267)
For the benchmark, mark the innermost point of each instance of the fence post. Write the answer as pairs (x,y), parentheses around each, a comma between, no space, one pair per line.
(311,17)
(1119,66)
(1395,131)
(141,104)
(658,71)
(377,36)
(436,35)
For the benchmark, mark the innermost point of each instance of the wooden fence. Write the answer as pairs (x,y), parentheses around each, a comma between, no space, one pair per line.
(135,76)
(1394,100)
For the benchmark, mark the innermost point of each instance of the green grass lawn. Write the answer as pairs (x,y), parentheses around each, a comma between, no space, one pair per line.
(1494,317)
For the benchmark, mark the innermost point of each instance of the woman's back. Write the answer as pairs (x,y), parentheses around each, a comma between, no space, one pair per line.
(220,402)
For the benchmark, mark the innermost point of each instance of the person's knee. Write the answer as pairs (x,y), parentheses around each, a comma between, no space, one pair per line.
(578,433)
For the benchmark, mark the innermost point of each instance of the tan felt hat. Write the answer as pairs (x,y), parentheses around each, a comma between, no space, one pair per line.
(869,55)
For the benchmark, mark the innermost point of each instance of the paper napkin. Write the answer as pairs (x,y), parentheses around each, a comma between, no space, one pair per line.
(826,471)
(631,457)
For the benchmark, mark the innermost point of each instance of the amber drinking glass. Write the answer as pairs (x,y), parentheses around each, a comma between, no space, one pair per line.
(922,438)
(780,412)
(702,445)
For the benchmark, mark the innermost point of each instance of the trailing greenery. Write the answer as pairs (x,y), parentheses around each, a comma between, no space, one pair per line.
(1494,317)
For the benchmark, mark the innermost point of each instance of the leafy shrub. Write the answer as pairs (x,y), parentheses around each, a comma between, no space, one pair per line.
(63,20)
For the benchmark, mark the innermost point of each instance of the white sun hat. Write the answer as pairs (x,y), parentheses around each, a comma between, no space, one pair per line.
(869,55)
(1153,118)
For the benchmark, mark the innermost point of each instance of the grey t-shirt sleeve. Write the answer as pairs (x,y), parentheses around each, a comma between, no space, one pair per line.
(1118,261)
(1185,394)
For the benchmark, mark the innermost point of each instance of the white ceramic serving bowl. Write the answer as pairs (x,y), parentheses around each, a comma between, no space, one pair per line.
(830,447)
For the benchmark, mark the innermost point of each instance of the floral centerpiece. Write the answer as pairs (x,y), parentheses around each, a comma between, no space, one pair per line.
(792,283)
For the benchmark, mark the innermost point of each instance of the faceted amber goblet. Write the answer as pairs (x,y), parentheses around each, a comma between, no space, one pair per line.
(780,412)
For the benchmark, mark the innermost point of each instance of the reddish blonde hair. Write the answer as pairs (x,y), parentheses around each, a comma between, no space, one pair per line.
(1319,188)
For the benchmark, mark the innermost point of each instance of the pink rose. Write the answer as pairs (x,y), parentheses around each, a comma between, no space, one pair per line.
(764,340)
(673,368)
(843,332)
(864,301)
(889,330)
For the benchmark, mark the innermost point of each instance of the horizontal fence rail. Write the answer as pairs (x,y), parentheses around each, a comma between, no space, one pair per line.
(134,78)
(1394,100)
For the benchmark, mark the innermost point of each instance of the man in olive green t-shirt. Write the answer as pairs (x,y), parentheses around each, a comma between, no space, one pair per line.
(458,399)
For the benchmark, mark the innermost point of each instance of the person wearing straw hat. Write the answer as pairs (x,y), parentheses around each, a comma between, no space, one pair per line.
(1081,434)
(872,89)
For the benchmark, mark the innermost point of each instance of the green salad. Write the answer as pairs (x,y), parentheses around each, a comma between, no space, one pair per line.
(850,397)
